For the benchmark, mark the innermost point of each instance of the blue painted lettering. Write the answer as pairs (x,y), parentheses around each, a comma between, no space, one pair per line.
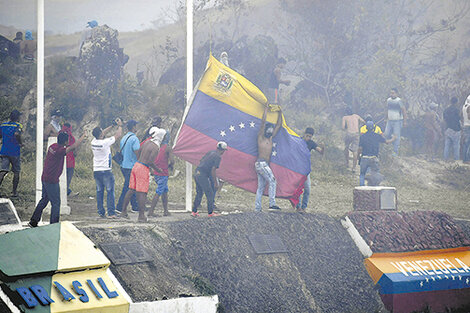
(27,296)
(64,292)
(76,286)
(110,294)
(97,293)
(41,294)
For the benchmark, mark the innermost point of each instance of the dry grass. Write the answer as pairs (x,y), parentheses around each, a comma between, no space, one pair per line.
(331,191)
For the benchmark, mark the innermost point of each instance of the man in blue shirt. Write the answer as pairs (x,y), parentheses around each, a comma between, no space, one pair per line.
(10,132)
(129,146)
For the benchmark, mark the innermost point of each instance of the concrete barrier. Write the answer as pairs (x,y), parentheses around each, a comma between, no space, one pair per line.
(181,305)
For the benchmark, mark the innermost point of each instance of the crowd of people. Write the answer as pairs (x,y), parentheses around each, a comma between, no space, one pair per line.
(23,47)
(363,141)
(138,159)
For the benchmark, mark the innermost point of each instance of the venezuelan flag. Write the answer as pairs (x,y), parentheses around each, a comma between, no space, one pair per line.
(227,107)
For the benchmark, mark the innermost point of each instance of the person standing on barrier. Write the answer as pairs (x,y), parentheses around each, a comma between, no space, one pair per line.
(53,167)
(204,176)
(266,134)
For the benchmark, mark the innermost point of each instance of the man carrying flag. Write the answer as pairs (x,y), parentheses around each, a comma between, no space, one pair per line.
(265,148)
(228,107)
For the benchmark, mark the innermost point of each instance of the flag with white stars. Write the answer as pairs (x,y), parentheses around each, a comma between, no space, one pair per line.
(227,107)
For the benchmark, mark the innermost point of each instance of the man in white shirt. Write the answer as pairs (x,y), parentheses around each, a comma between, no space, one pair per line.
(395,115)
(102,162)
(466,130)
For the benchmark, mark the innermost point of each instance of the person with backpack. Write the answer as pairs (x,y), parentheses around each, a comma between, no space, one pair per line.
(129,146)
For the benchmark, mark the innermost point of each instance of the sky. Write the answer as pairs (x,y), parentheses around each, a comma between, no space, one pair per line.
(69,16)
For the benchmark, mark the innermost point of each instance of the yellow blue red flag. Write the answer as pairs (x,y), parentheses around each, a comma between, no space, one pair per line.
(227,107)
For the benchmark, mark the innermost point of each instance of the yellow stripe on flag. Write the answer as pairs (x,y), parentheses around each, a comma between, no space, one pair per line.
(242,94)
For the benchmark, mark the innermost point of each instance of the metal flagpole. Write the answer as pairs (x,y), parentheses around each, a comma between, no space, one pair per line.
(189,90)
(40,99)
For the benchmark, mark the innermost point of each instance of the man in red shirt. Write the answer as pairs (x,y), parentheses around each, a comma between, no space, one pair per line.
(53,167)
(164,162)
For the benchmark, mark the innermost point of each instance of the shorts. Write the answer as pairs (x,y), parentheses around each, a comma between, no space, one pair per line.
(15,162)
(139,180)
(351,141)
(162,184)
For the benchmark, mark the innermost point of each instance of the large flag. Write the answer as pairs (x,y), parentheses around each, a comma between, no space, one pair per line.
(227,107)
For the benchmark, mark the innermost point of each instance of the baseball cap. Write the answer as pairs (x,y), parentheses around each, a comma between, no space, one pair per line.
(370,125)
(92,24)
(222,145)
(56,112)
(15,114)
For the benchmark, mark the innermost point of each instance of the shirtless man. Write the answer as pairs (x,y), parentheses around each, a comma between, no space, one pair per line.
(350,123)
(265,147)
(139,181)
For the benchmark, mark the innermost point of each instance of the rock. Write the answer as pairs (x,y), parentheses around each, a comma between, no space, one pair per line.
(101,59)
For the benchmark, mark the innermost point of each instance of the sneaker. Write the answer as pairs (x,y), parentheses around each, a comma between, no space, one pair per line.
(112,217)
(102,216)
(194,214)
(32,225)
(300,210)
(274,208)
(213,214)
(14,195)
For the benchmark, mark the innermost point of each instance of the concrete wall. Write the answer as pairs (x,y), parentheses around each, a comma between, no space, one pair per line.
(181,305)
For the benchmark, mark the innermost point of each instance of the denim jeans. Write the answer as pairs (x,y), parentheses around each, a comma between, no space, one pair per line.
(394,127)
(50,192)
(306,194)
(69,172)
(466,144)
(126,173)
(104,179)
(366,163)
(265,175)
(204,186)
(451,137)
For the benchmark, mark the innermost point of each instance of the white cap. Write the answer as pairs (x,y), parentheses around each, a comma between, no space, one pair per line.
(222,145)
(157,134)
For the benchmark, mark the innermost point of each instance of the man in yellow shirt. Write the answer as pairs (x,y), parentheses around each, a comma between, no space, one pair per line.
(363,129)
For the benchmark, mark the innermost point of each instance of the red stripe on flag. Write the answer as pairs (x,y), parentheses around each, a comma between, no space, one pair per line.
(236,167)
